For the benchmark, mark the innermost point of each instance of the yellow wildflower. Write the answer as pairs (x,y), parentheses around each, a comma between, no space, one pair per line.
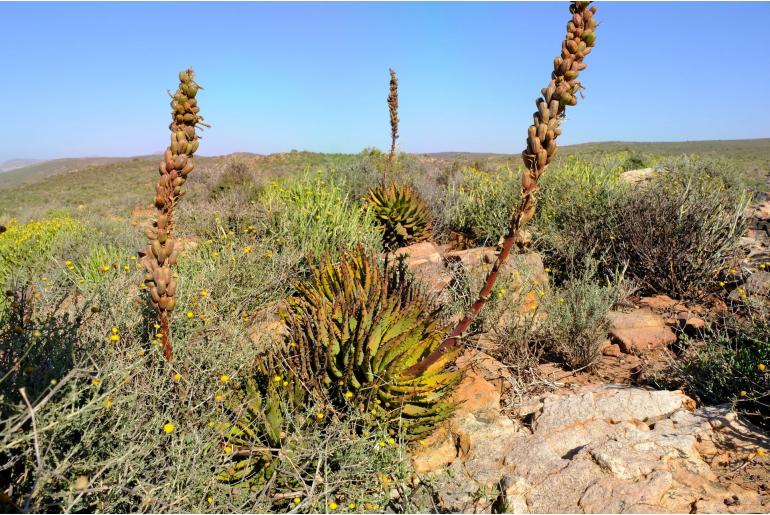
(332,505)
(761,367)
(204,293)
(319,415)
(114,337)
(190,314)
(210,500)
(108,403)
(743,393)
(348,395)
(96,381)
(177,376)
(760,452)
(228,449)
(168,427)
(296,500)
(224,378)
(133,258)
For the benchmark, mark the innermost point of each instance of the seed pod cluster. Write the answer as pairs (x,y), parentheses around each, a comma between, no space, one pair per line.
(541,147)
(163,250)
(393,108)
(560,93)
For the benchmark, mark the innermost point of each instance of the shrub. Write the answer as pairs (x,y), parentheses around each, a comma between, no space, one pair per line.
(237,177)
(734,366)
(577,317)
(576,215)
(312,215)
(677,232)
(672,234)
(479,205)
(24,248)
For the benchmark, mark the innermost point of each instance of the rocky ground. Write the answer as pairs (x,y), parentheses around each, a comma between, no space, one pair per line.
(596,441)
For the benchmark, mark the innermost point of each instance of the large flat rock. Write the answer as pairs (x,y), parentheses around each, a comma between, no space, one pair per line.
(601,449)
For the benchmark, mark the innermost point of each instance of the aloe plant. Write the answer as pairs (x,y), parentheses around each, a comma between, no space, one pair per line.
(354,328)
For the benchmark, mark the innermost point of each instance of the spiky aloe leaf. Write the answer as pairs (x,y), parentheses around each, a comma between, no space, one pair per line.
(355,327)
(254,428)
(401,213)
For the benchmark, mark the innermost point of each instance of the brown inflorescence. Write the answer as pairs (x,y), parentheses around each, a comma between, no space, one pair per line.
(393,108)
(163,250)
(541,147)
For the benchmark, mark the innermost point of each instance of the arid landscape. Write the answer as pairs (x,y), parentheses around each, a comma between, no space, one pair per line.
(573,329)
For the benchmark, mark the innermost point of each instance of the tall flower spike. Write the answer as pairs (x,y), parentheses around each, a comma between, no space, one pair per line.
(393,108)
(163,250)
(541,147)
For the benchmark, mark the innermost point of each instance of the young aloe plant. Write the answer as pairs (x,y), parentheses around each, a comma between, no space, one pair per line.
(561,92)
(163,250)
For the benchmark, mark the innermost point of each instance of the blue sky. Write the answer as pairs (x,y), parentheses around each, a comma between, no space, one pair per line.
(87,79)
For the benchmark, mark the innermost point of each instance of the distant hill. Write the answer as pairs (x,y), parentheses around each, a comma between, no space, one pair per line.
(38,171)
(13,164)
(746,148)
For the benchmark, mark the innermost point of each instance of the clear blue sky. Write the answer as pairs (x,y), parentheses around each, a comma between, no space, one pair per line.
(90,79)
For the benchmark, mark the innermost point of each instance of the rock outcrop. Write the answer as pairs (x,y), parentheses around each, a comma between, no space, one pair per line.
(607,448)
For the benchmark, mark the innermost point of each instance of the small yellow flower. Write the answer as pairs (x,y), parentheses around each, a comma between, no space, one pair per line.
(392,441)
(44,278)
(228,449)
(141,352)
(382,444)
(224,378)
(168,427)
(721,283)
(760,452)
(423,443)
(204,293)
(126,268)
(108,403)
(332,505)
(761,367)
(53,382)
(177,376)
(156,326)
(277,379)
(96,381)
(296,500)
(106,268)
(286,383)
(133,258)
(247,250)
(743,393)
(190,314)
(547,270)
(68,262)
(352,506)
(210,500)
(348,395)
(36,333)
(114,337)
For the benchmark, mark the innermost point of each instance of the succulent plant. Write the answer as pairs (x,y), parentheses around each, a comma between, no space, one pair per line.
(401,214)
(355,327)
(163,250)
(255,428)
(561,92)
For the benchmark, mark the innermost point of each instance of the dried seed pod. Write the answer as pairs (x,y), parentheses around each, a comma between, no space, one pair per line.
(177,162)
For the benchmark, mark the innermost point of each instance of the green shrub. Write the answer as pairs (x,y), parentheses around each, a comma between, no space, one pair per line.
(734,366)
(313,215)
(672,234)
(577,320)
(479,205)
(102,399)
(677,232)
(575,212)
(237,177)
(24,248)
